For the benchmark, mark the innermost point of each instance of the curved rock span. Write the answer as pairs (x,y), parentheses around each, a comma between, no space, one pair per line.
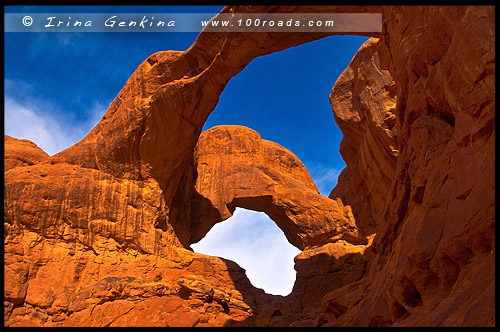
(236,168)
(99,234)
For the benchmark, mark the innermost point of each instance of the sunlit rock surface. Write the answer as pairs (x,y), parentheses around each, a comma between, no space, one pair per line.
(236,168)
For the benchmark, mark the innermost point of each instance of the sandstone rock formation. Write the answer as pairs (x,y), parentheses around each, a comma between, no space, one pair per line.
(236,168)
(434,252)
(99,234)
(21,152)
(364,101)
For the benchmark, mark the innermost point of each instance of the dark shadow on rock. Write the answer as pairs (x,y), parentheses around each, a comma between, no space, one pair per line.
(322,293)
(255,298)
(188,207)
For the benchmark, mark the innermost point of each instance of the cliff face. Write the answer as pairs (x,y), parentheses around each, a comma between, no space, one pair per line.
(99,234)
(364,100)
(433,255)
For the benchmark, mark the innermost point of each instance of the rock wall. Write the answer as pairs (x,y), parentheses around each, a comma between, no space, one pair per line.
(98,234)
(364,100)
(434,252)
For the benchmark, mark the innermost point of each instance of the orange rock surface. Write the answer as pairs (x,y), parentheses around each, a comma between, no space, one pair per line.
(363,101)
(99,234)
(21,152)
(236,168)
(433,257)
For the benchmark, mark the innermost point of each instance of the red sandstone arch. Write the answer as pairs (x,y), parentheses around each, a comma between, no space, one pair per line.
(236,168)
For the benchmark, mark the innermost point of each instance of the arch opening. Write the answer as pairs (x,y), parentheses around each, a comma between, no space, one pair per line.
(255,243)
(308,122)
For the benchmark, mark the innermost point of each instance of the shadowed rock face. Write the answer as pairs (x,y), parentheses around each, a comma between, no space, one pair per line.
(99,234)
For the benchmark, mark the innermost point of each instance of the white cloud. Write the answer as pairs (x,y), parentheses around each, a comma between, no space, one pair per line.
(34,119)
(255,243)
(325,178)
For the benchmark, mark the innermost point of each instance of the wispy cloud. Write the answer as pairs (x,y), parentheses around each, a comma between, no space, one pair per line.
(42,122)
(325,178)
(254,242)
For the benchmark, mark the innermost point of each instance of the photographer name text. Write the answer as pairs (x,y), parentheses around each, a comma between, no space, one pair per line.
(145,22)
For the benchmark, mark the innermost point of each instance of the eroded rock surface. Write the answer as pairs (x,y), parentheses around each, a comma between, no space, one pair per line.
(236,168)
(96,235)
(434,252)
(50,283)
(363,101)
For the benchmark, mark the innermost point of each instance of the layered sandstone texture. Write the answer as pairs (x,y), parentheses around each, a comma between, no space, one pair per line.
(434,253)
(99,234)
(364,101)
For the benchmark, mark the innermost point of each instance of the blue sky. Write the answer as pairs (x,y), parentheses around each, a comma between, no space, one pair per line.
(58,86)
